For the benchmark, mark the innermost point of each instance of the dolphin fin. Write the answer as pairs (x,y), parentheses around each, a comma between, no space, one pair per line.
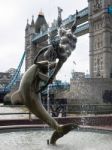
(16,98)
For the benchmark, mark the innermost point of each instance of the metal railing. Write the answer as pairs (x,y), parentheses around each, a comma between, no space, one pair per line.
(9,111)
(63,109)
(90,108)
(82,27)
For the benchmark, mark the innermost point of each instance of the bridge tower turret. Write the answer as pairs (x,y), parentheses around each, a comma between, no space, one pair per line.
(38,27)
(29,47)
(100,39)
(41,28)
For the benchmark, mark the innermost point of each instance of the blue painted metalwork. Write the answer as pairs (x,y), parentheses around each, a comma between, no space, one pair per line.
(82,28)
(78,30)
(15,76)
(110,10)
(71,18)
(57,85)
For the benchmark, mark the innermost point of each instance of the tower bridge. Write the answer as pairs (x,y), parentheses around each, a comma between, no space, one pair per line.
(35,40)
(94,20)
(97,21)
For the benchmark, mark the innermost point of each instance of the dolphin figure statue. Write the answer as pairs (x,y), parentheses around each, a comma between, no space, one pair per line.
(32,80)
(31,83)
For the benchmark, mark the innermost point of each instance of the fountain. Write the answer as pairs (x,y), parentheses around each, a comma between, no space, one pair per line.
(29,93)
(36,140)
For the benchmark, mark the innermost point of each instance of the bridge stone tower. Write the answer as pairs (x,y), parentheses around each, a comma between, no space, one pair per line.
(32,29)
(100,39)
(29,31)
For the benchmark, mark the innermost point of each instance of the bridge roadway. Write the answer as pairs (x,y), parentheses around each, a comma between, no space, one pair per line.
(83,26)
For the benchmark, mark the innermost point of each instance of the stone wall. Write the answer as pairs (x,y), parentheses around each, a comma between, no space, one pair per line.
(89,91)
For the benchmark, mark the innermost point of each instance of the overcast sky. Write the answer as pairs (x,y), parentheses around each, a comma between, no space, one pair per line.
(13,18)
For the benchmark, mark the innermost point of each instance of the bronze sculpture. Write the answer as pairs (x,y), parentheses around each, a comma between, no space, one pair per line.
(30,86)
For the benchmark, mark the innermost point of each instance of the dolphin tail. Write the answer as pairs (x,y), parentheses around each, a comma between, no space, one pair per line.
(58,134)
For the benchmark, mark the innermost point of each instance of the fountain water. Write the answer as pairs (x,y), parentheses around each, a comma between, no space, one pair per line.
(83,114)
(48,98)
(36,140)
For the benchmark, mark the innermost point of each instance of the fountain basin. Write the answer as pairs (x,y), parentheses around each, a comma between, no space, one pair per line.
(36,139)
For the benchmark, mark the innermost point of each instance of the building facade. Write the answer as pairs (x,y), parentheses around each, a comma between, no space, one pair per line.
(100,30)
(6,77)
